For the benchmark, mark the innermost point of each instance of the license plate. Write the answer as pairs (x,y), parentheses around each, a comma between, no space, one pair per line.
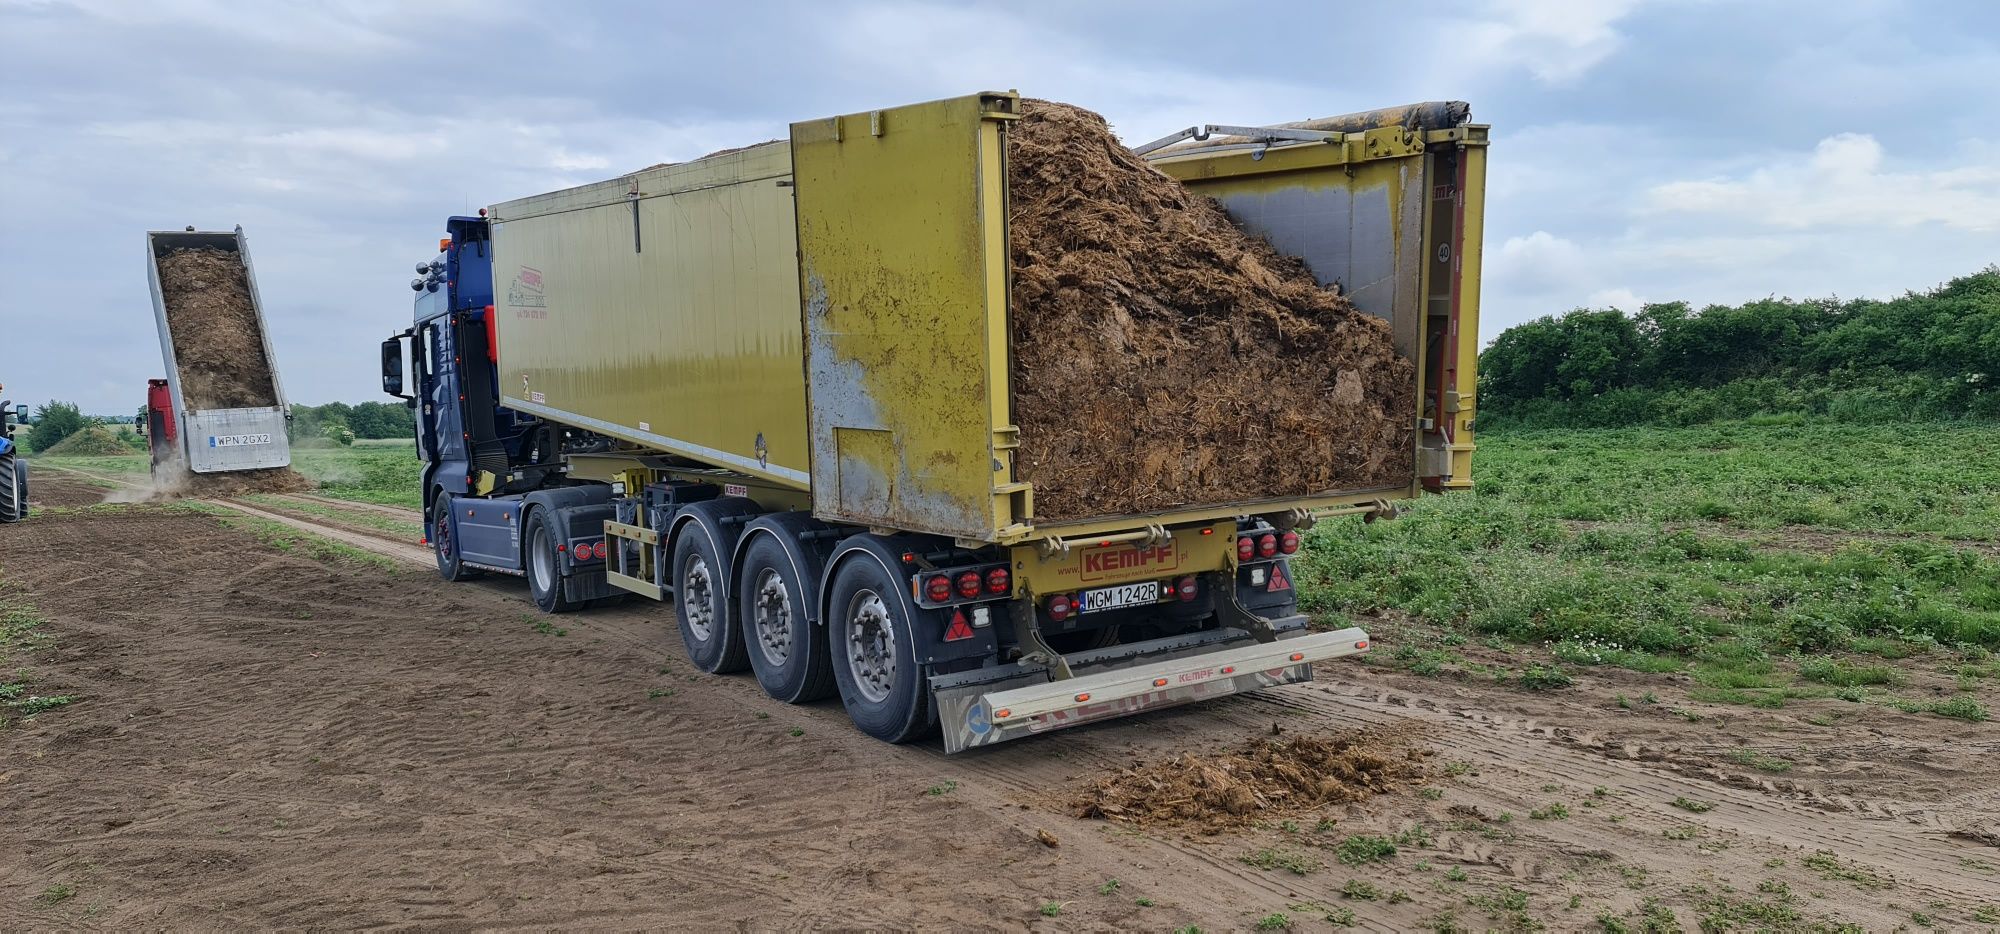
(233,441)
(1124,595)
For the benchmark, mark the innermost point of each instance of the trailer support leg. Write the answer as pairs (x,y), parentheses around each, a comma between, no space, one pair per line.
(1029,630)
(1231,612)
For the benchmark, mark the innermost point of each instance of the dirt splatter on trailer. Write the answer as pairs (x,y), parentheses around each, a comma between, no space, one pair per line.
(218,344)
(1165,358)
(1263,779)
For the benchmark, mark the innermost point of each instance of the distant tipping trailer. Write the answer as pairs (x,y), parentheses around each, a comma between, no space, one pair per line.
(222,388)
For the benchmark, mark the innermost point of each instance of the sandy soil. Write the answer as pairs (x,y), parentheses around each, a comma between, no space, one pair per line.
(218,343)
(269,739)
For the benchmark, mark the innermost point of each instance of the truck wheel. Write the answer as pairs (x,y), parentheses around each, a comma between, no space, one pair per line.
(875,663)
(444,543)
(13,489)
(790,659)
(544,565)
(701,602)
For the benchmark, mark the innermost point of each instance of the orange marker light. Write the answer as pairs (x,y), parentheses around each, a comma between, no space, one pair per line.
(1229,669)
(444,243)
(1208,531)
(1362,644)
(1003,713)
(1080,698)
(1298,656)
(1159,682)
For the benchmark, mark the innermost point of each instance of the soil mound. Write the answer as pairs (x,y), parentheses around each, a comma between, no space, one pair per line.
(217,344)
(1165,358)
(1261,780)
(92,441)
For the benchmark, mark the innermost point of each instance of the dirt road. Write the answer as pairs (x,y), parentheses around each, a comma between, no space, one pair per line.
(268,732)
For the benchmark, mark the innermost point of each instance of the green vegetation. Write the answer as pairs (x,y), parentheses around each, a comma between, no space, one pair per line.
(1767,562)
(53,422)
(1275,921)
(1361,889)
(385,472)
(1362,848)
(1924,355)
(367,420)
(1297,864)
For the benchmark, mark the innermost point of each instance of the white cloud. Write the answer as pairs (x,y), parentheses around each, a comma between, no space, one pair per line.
(1538,262)
(1620,298)
(1557,41)
(1844,182)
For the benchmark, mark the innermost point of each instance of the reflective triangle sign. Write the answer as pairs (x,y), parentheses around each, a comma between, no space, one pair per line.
(960,628)
(1278,580)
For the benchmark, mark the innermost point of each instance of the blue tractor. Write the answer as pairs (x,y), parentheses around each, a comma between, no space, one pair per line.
(13,467)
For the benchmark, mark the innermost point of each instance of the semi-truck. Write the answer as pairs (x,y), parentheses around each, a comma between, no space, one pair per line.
(771,387)
(242,428)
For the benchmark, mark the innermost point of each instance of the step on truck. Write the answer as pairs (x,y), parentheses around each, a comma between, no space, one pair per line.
(771,386)
(192,433)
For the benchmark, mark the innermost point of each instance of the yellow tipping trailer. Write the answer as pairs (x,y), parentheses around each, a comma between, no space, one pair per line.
(772,385)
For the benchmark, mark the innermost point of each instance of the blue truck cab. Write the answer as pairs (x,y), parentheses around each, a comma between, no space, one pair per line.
(487,469)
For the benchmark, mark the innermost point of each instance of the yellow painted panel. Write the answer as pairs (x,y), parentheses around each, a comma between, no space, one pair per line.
(674,325)
(1187,552)
(902,235)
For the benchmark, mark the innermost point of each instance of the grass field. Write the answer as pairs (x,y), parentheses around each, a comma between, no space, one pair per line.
(1768,561)
(371,471)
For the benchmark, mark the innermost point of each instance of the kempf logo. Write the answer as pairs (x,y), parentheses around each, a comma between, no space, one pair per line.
(1124,562)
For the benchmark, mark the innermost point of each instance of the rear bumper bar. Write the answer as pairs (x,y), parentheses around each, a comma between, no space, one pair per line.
(979,715)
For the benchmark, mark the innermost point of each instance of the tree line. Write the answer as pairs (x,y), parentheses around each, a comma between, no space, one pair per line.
(339,422)
(1932,354)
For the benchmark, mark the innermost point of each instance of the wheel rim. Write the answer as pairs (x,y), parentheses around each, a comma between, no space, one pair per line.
(443,538)
(871,646)
(772,613)
(698,598)
(543,559)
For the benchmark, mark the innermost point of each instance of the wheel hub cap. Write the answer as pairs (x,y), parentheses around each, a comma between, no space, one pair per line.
(773,614)
(699,598)
(871,646)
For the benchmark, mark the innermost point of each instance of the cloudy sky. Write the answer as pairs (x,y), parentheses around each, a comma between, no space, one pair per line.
(1643,151)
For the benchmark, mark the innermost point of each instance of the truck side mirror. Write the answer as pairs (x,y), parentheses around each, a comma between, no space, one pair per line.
(21,413)
(392,367)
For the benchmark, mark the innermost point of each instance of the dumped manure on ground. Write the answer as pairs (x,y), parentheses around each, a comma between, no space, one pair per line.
(1165,358)
(1267,778)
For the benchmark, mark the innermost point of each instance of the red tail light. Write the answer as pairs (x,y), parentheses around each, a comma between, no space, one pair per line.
(1060,607)
(1289,543)
(1267,545)
(938,588)
(1186,588)
(968,584)
(1245,549)
(999,581)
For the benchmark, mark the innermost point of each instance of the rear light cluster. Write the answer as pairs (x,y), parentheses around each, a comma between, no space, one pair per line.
(587,551)
(1266,544)
(961,585)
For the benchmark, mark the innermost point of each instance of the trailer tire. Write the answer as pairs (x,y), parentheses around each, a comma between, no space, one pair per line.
(701,604)
(869,633)
(13,488)
(444,542)
(787,652)
(543,563)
